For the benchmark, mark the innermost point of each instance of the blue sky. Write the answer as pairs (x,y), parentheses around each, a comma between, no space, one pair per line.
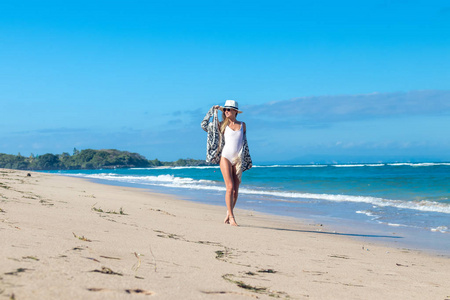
(319,81)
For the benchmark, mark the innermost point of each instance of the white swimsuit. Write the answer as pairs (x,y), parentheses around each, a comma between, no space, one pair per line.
(233,144)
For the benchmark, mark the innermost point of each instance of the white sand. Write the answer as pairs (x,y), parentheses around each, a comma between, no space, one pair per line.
(164,248)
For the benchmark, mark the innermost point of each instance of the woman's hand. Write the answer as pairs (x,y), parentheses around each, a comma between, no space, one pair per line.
(216,106)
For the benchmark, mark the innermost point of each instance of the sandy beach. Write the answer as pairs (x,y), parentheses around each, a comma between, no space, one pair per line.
(68,238)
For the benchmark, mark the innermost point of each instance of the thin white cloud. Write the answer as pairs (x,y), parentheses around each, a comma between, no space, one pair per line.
(354,107)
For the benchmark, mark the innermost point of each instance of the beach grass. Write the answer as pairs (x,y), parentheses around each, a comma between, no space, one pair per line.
(100,210)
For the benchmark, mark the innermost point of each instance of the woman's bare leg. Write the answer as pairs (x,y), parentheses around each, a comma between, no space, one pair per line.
(227,171)
(235,185)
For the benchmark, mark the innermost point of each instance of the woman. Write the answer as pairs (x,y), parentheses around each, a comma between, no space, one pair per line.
(227,145)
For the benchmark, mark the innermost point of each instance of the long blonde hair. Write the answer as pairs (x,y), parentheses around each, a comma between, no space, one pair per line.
(224,123)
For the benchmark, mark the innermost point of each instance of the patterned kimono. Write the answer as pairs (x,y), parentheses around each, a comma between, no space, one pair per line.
(215,143)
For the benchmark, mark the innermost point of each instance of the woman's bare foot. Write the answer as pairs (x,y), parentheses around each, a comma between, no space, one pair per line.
(232,222)
(227,219)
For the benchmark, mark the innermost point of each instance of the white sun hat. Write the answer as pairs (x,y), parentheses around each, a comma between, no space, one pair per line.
(231,104)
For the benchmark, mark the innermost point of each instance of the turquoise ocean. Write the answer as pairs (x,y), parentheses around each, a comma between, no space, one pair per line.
(403,203)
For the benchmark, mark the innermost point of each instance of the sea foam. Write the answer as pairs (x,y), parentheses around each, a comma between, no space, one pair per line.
(172,181)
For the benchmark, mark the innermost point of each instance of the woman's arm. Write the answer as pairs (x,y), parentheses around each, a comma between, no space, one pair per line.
(206,119)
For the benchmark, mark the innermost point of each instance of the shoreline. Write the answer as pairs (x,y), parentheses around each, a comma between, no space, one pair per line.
(65,237)
(382,234)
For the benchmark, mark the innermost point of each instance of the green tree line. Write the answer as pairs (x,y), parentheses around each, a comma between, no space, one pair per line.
(88,159)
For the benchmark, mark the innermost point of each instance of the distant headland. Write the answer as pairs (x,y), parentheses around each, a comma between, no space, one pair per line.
(88,159)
